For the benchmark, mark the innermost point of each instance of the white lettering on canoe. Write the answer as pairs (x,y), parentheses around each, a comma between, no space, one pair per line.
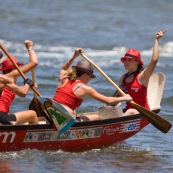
(129,127)
(109,130)
(7,135)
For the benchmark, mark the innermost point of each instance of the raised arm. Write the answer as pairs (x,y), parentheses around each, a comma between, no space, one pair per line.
(66,65)
(145,75)
(33,60)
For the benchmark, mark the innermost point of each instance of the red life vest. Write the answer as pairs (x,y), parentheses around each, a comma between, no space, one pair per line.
(6,98)
(66,96)
(138,92)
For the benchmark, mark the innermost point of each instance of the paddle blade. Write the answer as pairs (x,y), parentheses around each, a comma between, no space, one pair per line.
(36,106)
(157,121)
(59,115)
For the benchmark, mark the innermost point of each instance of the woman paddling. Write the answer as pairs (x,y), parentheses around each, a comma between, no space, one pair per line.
(8,88)
(73,88)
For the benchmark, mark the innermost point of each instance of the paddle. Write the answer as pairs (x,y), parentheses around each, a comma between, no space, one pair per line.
(34,103)
(55,113)
(157,121)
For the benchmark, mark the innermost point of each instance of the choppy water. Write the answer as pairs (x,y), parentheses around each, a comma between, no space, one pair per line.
(105,29)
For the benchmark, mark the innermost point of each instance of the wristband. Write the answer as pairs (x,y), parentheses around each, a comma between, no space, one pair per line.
(29,82)
(31,48)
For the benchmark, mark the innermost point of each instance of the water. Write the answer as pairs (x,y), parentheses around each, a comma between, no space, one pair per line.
(105,29)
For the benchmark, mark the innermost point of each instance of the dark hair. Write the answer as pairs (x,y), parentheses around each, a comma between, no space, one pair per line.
(8,71)
(1,54)
(135,73)
(79,72)
(139,69)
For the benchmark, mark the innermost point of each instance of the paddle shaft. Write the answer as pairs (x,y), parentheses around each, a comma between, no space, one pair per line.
(21,73)
(101,71)
(34,103)
(33,80)
(153,118)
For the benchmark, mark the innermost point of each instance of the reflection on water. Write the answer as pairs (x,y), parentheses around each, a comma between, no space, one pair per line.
(115,157)
(119,157)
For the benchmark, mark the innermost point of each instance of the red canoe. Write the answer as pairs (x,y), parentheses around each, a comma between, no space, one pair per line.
(82,135)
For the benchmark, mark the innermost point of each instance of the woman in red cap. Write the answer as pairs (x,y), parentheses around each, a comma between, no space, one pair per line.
(135,81)
(8,88)
(73,88)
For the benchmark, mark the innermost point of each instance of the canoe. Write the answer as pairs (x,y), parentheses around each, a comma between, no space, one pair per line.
(81,136)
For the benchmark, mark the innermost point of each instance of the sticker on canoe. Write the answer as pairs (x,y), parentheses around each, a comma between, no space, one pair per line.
(129,127)
(68,135)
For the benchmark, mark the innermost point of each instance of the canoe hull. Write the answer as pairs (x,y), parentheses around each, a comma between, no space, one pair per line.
(80,137)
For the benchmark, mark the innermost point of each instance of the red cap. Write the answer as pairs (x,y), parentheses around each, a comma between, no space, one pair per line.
(133,53)
(7,64)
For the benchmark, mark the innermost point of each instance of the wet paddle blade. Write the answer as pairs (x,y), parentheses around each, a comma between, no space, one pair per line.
(157,121)
(59,115)
(35,105)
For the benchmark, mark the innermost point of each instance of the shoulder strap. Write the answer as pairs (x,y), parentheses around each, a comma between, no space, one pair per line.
(78,87)
(127,75)
(60,80)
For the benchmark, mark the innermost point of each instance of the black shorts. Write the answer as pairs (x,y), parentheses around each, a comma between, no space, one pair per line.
(7,118)
(78,119)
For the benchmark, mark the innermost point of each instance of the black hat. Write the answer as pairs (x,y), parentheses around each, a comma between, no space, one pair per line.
(86,67)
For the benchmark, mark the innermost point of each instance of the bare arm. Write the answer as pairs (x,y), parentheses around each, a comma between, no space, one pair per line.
(85,90)
(33,60)
(4,80)
(66,65)
(145,74)
(21,91)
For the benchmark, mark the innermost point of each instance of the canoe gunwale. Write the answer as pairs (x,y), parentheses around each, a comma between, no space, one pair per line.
(76,124)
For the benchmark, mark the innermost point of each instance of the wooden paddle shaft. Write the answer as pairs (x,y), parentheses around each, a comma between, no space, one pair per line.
(101,71)
(33,80)
(33,76)
(21,73)
(108,79)
(35,95)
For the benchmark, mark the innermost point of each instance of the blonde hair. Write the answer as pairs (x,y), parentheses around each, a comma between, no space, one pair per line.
(72,74)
